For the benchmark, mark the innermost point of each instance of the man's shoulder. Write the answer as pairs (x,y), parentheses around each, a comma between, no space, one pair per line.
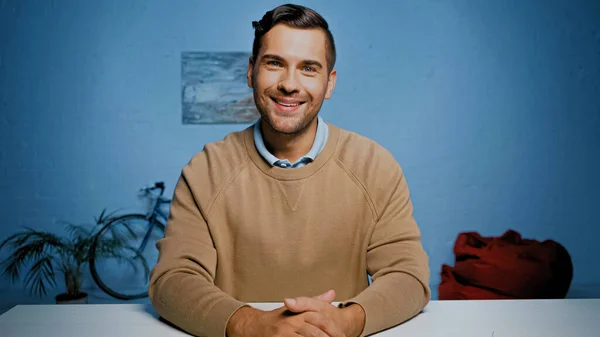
(231,148)
(370,164)
(219,159)
(363,155)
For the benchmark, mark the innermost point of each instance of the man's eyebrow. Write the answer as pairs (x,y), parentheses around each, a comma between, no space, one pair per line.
(273,57)
(312,63)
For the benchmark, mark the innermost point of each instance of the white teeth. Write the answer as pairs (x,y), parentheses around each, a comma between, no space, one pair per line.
(288,105)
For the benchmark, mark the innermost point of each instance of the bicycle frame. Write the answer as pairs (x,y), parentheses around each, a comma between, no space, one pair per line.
(156,215)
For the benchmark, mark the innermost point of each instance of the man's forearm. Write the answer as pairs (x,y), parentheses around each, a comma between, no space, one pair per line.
(355,320)
(393,299)
(240,321)
(192,303)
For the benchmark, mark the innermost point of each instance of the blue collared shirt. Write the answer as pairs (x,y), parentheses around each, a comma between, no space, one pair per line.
(317,147)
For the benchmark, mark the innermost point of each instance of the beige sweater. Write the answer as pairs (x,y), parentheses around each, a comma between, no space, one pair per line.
(241,231)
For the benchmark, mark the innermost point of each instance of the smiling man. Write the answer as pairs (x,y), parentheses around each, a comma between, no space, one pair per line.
(292,209)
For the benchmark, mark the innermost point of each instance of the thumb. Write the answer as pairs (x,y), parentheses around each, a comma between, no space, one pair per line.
(302,304)
(327,296)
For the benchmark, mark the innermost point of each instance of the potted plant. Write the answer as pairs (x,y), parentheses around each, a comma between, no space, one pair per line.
(48,253)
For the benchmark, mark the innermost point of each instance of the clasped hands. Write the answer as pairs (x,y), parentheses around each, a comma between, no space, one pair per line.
(302,316)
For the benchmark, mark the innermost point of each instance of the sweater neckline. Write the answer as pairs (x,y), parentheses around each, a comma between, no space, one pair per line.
(292,173)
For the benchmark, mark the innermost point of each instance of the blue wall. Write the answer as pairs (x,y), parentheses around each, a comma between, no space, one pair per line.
(491,107)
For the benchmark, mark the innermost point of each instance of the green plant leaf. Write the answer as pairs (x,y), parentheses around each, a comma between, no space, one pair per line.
(48,252)
(40,273)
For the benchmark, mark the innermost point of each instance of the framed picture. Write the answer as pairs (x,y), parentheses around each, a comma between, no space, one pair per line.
(214,88)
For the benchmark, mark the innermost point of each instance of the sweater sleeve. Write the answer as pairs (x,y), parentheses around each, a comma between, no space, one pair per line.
(397,263)
(181,286)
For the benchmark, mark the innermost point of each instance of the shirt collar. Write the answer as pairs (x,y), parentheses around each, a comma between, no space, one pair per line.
(317,147)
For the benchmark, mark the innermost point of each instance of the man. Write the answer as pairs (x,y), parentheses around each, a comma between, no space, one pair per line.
(292,210)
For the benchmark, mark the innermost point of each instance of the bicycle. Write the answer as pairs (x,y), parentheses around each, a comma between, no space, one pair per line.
(128,284)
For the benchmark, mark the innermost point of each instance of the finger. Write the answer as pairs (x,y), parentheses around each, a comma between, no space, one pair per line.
(309,330)
(327,296)
(302,304)
(324,324)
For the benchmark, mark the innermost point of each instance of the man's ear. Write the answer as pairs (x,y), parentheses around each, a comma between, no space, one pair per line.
(331,83)
(250,69)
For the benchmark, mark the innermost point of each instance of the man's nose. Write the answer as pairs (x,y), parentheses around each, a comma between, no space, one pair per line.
(288,82)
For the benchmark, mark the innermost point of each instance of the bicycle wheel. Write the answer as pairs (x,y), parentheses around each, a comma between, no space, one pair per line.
(122,254)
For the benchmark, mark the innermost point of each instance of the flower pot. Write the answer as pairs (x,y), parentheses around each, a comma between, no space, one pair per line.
(65,298)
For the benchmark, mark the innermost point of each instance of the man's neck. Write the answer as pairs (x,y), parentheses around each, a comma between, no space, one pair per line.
(289,146)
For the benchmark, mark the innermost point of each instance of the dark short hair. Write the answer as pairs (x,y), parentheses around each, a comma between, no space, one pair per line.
(295,16)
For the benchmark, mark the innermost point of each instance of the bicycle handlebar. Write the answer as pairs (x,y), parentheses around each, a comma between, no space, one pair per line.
(157,185)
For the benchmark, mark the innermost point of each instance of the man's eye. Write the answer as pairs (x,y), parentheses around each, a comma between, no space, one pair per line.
(309,69)
(274,63)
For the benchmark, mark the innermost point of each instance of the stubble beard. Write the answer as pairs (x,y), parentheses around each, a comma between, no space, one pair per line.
(298,127)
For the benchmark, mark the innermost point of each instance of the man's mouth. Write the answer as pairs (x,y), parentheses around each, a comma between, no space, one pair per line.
(288,105)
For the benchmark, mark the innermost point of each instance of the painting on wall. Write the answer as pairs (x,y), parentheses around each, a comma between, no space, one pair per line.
(214,89)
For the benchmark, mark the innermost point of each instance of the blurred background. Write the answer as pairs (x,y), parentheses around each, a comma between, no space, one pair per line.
(492,108)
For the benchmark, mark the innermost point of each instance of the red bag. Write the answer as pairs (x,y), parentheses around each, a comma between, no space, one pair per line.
(506,267)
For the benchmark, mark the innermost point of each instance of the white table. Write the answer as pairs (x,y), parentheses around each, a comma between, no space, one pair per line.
(542,318)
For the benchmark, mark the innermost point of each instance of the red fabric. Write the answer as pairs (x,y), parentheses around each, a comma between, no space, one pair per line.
(506,267)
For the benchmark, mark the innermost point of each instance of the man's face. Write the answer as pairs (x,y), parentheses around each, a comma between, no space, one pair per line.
(290,77)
